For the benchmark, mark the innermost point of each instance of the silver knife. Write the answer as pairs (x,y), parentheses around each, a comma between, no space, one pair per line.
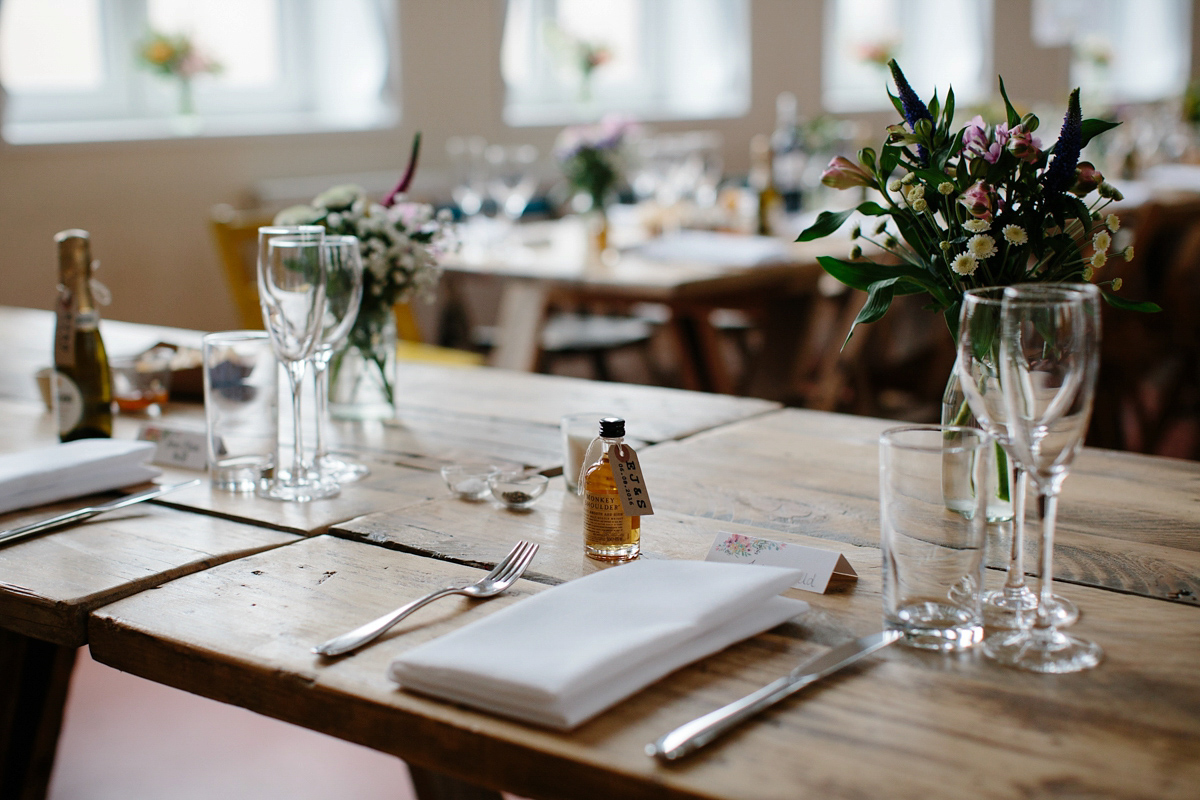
(693,735)
(91,511)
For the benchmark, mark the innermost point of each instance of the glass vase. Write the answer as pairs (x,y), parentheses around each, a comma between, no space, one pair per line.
(956,411)
(362,373)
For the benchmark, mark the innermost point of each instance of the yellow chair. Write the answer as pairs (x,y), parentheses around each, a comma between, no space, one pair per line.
(236,236)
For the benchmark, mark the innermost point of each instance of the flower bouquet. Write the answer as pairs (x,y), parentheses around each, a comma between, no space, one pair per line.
(400,243)
(981,206)
(176,57)
(592,157)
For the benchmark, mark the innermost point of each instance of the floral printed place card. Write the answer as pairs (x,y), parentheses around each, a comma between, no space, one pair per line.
(819,566)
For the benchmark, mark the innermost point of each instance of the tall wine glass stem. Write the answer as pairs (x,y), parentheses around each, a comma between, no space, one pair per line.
(321,386)
(1049,509)
(295,371)
(1015,580)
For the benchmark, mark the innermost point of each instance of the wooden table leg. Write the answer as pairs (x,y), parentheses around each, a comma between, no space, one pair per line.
(519,326)
(33,690)
(701,364)
(436,786)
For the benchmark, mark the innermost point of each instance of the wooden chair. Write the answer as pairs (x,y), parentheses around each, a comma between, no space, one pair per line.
(1144,357)
(236,236)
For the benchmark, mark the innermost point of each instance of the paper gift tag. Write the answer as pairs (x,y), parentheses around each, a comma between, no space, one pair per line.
(177,447)
(819,565)
(631,487)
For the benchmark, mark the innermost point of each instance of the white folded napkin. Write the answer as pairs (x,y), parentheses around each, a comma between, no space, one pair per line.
(564,655)
(73,469)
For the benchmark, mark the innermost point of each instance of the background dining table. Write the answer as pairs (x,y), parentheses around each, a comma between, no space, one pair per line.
(244,587)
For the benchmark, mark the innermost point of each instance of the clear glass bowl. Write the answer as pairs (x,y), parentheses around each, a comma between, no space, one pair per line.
(517,490)
(468,481)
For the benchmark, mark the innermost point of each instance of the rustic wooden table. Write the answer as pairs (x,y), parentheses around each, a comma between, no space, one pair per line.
(541,261)
(904,724)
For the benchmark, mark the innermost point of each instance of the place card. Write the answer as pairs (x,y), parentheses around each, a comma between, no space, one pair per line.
(631,487)
(177,447)
(819,566)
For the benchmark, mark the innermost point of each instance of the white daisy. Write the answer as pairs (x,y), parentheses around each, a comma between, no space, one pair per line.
(977,225)
(919,205)
(1128,253)
(1099,259)
(981,246)
(1113,222)
(964,264)
(1015,234)
(1101,241)
(946,187)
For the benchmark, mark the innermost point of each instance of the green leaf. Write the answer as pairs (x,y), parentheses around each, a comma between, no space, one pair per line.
(1014,119)
(879,300)
(1131,305)
(951,315)
(872,209)
(1094,127)
(935,106)
(948,112)
(827,223)
(861,274)
(1078,209)
(888,161)
(896,102)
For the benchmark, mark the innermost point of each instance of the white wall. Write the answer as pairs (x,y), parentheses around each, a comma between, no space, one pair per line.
(146,203)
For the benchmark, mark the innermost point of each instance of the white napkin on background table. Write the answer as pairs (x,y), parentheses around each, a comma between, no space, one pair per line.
(716,248)
(566,654)
(73,469)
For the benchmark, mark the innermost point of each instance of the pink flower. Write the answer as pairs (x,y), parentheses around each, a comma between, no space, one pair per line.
(977,142)
(1087,178)
(978,200)
(842,173)
(1024,145)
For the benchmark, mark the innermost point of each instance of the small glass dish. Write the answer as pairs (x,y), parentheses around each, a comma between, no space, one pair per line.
(468,481)
(516,489)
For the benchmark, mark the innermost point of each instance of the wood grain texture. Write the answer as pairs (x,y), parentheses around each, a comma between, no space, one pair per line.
(652,413)
(1126,522)
(50,582)
(903,725)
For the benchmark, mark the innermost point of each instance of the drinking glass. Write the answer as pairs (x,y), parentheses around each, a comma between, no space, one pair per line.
(470,172)
(934,481)
(1049,357)
(979,377)
(343,295)
(291,290)
(511,182)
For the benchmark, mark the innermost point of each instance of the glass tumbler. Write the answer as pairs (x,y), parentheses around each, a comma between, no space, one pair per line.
(241,408)
(933,488)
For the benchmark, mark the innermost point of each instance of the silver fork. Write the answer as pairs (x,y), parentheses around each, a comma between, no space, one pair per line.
(503,576)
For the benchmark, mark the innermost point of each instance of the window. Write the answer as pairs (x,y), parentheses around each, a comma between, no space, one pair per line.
(70,70)
(1121,50)
(938,43)
(567,61)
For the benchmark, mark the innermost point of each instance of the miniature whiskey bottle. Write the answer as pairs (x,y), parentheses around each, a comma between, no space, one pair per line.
(608,534)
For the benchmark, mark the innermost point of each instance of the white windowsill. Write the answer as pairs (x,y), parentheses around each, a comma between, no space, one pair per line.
(164,128)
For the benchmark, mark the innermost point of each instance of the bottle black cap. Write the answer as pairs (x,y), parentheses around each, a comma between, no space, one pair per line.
(612,427)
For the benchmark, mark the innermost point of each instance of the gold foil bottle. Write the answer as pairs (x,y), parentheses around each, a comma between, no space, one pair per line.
(762,180)
(608,534)
(82,386)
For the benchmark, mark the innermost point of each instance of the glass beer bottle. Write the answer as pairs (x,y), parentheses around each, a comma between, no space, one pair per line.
(82,386)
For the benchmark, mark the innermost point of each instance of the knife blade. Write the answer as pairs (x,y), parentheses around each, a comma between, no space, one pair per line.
(80,514)
(691,736)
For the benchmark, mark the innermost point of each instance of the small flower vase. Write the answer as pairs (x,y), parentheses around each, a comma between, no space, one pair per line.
(596,228)
(186,122)
(956,411)
(362,374)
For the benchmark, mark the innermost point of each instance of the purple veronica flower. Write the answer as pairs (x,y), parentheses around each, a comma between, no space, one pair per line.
(1061,173)
(914,109)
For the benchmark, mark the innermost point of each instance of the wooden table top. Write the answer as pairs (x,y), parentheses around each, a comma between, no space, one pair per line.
(238,614)
(555,253)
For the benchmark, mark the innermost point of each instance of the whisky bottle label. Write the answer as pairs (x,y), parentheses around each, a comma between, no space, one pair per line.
(604,520)
(631,486)
(68,402)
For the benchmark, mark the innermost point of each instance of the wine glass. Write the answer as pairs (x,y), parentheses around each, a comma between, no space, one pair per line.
(470,173)
(511,182)
(979,377)
(343,295)
(1049,357)
(291,290)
